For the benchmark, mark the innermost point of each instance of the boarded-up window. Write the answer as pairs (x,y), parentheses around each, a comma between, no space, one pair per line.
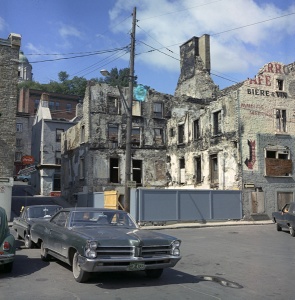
(278,163)
(113,130)
(160,170)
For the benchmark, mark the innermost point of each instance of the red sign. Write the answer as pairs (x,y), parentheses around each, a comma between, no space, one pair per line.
(55,194)
(27,160)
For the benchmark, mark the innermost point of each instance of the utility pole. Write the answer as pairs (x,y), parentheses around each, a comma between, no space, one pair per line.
(128,160)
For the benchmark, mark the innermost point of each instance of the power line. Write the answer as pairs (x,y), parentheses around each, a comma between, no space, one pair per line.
(78,56)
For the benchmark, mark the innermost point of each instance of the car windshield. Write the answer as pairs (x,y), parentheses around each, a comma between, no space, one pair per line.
(97,218)
(41,212)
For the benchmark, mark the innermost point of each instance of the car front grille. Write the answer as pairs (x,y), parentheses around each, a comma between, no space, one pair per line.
(144,251)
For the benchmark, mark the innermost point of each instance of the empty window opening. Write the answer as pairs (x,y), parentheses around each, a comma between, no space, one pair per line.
(198,169)
(56,182)
(57,157)
(158,110)
(114,170)
(135,138)
(58,134)
(137,171)
(159,136)
(214,168)
(182,170)
(181,134)
(280,84)
(196,129)
(281,120)
(113,131)
(217,122)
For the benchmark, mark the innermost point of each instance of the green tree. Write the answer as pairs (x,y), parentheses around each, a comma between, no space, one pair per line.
(118,77)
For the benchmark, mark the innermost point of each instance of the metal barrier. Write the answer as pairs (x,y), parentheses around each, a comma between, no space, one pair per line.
(162,205)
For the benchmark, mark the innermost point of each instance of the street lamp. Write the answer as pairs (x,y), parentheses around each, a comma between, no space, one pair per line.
(128,109)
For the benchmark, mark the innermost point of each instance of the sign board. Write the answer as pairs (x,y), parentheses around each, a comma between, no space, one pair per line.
(27,170)
(131,184)
(27,160)
(55,194)
(249,185)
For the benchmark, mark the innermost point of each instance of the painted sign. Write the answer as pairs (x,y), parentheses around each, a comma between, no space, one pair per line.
(55,194)
(249,162)
(27,171)
(27,160)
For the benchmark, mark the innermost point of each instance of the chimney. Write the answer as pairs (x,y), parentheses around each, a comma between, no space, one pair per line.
(204,51)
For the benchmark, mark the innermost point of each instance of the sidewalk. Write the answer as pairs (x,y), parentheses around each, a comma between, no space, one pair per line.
(207,224)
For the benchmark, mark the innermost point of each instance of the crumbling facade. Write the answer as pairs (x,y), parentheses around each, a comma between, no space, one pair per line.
(239,138)
(94,149)
(242,138)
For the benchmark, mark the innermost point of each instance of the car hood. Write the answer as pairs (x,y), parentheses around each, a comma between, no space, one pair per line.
(124,236)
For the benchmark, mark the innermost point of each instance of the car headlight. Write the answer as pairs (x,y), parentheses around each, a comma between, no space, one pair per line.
(90,249)
(175,248)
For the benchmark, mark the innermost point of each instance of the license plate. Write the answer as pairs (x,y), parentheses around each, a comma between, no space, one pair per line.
(136,266)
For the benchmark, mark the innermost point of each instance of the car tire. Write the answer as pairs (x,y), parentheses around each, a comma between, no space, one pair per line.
(28,241)
(79,274)
(279,228)
(156,273)
(292,231)
(7,268)
(44,253)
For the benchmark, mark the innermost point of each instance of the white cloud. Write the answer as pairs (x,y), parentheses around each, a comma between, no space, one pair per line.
(69,31)
(3,24)
(236,45)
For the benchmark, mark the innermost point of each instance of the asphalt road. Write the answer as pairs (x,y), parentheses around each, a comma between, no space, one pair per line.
(237,262)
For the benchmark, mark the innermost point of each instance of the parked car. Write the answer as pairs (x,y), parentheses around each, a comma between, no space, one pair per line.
(23,177)
(29,215)
(7,243)
(285,218)
(104,240)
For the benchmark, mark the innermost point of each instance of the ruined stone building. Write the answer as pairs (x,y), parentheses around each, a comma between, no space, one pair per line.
(94,149)
(9,52)
(241,138)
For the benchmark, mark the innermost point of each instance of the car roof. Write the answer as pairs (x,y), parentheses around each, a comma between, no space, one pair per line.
(43,205)
(78,209)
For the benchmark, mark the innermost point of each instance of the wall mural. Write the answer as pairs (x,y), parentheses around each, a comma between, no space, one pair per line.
(249,162)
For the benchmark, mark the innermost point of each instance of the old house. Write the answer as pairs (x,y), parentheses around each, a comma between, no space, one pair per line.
(61,107)
(94,149)
(46,149)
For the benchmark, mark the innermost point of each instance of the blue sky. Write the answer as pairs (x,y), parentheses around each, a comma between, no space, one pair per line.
(245,35)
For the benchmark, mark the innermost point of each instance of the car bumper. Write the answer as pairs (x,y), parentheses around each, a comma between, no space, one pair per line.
(6,258)
(123,264)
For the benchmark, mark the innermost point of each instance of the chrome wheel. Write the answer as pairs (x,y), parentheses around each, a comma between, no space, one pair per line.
(79,274)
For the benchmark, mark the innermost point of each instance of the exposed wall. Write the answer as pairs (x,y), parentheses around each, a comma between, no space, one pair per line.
(9,50)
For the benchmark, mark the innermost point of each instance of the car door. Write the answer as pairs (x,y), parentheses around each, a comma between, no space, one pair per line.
(285,215)
(22,223)
(58,232)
